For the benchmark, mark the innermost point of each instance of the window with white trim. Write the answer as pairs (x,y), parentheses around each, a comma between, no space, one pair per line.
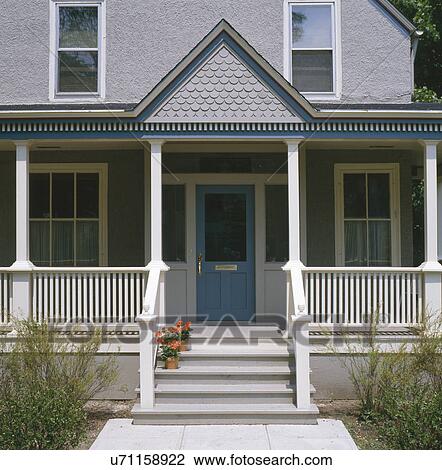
(313,47)
(77,55)
(67,213)
(367,215)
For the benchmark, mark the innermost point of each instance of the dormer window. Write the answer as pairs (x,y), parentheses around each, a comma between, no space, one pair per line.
(77,56)
(313,48)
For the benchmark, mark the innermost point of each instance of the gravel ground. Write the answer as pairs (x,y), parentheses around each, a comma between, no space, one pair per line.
(100,411)
(364,435)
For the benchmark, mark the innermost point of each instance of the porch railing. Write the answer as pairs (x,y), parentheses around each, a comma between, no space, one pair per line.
(347,296)
(5,296)
(88,295)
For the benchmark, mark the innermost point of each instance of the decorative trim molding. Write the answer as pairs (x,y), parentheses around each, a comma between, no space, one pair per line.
(220,127)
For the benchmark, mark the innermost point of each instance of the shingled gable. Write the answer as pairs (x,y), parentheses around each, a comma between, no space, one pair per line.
(224,80)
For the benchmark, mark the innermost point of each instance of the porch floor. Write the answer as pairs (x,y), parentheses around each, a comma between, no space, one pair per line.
(122,434)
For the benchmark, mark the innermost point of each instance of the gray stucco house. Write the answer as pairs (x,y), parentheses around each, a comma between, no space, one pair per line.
(216,161)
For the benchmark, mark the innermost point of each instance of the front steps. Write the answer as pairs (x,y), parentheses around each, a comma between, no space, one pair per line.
(228,383)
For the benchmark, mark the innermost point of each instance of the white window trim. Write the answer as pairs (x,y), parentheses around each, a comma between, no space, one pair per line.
(393,170)
(102,170)
(337,49)
(53,52)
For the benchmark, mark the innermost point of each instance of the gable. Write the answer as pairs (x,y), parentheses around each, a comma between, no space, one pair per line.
(224,79)
(224,89)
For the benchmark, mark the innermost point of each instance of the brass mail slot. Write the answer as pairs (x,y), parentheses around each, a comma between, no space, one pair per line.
(226,267)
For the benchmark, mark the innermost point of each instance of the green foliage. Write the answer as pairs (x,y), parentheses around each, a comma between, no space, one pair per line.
(427,16)
(400,390)
(411,392)
(44,385)
(363,361)
(423,14)
(425,95)
(169,350)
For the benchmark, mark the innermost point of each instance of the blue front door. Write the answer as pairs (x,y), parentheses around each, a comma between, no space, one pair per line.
(225,253)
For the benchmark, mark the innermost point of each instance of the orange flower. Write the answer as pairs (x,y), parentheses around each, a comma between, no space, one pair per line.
(179,323)
(175,344)
(187,325)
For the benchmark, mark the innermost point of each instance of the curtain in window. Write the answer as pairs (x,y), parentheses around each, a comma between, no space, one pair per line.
(39,243)
(355,243)
(63,243)
(87,243)
(379,239)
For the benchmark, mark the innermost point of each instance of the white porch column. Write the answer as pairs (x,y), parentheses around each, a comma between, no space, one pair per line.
(156,222)
(22,268)
(297,318)
(294,205)
(431,268)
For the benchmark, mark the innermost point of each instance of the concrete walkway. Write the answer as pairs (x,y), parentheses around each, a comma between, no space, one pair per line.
(327,435)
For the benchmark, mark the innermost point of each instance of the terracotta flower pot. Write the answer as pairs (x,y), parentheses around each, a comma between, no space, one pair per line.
(185,345)
(172,363)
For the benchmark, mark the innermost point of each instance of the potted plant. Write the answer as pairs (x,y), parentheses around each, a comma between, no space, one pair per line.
(170,354)
(167,335)
(184,330)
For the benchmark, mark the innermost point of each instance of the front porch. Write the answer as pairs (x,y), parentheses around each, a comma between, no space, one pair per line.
(84,280)
(257,220)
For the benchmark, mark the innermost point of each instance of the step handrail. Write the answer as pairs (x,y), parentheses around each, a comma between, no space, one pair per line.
(148,321)
(298,328)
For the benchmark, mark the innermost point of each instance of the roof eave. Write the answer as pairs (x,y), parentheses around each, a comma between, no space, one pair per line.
(402,19)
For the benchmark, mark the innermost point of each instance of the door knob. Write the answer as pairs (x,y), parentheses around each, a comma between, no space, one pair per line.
(200,264)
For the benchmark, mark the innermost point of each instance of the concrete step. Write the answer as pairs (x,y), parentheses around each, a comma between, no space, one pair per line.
(220,393)
(237,335)
(224,414)
(227,375)
(236,356)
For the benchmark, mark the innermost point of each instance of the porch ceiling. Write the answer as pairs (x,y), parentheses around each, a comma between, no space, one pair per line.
(218,147)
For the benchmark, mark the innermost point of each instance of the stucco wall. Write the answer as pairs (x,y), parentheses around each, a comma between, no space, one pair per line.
(321,200)
(147,38)
(125,201)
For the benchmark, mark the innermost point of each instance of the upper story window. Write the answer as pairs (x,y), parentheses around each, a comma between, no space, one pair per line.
(314,54)
(77,55)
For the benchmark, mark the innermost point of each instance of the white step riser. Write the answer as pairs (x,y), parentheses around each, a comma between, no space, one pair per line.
(223,379)
(231,398)
(221,361)
(198,419)
(240,342)
(178,390)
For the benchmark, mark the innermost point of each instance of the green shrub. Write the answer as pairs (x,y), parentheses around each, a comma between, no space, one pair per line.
(44,385)
(411,391)
(425,95)
(363,360)
(411,416)
(400,390)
